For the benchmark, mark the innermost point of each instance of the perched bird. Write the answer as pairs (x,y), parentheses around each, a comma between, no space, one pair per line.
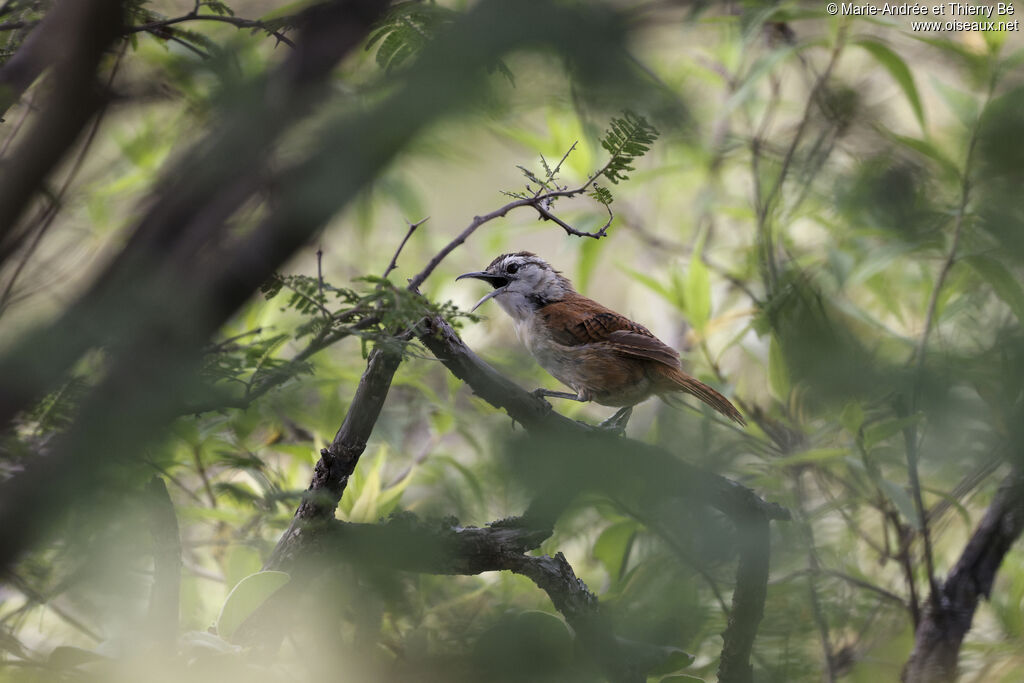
(602,355)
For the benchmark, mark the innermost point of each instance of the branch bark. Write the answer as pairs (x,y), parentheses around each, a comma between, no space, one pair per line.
(339,459)
(71,40)
(406,543)
(662,474)
(947,618)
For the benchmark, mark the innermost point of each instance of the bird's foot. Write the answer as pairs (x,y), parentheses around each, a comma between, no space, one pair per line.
(616,424)
(547,393)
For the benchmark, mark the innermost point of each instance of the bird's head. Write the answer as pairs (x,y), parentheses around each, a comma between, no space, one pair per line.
(523,282)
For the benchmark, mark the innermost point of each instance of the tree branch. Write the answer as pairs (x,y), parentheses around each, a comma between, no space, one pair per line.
(155,26)
(71,39)
(947,618)
(661,474)
(339,459)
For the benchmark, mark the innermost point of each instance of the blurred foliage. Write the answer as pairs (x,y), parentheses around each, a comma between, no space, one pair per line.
(829,223)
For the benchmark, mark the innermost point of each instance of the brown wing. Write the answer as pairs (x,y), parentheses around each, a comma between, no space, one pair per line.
(577,320)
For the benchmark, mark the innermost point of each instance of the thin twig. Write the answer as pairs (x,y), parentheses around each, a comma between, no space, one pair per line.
(320,280)
(537,201)
(50,213)
(192,16)
(408,234)
(765,206)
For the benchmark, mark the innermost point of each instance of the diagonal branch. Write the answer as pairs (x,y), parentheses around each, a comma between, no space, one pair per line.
(725,495)
(661,472)
(71,40)
(948,616)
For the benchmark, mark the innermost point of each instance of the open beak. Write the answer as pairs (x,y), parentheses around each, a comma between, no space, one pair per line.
(499,282)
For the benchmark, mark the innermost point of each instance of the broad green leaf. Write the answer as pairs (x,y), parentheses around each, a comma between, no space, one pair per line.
(246,598)
(365,508)
(852,417)
(612,547)
(681,678)
(1004,284)
(239,562)
(674,660)
(898,69)
(589,252)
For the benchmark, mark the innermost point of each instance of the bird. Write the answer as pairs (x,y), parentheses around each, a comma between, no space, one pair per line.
(603,356)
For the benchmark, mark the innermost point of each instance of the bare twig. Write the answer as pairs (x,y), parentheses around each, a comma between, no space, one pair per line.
(51,211)
(408,234)
(155,26)
(539,201)
(764,207)
(83,31)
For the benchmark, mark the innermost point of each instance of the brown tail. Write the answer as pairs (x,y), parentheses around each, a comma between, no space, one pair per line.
(677,380)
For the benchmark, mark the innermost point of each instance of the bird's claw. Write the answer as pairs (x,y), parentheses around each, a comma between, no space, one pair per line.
(616,424)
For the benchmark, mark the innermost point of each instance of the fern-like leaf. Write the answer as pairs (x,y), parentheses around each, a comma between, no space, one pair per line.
(628,138)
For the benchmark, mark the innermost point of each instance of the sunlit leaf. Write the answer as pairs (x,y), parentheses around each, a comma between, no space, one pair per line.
(246,598)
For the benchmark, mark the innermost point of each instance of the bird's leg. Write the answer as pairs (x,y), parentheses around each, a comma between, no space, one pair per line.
(541,393)
(617,422)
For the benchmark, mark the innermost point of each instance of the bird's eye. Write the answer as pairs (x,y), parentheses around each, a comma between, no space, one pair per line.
(512,268)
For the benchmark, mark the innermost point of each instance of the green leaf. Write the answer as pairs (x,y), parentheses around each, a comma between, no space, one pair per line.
(927,149)
(1004,284)
(778,373)
(880,431)
(697,291)
(852,417)
(240,561)
(613,545)
(627,138)
(813,455)
(246,598)
(898,69)
(962,104)
(681,678)
(901,499)
(652,284)
(674,660)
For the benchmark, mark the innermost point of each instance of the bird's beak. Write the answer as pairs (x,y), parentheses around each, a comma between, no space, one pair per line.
(499,282)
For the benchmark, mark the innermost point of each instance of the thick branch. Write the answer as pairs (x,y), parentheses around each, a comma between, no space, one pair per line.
(71,39)
(406,543)
(339,459)
(947,619)
(534,413)
(747,601)
(661,474)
